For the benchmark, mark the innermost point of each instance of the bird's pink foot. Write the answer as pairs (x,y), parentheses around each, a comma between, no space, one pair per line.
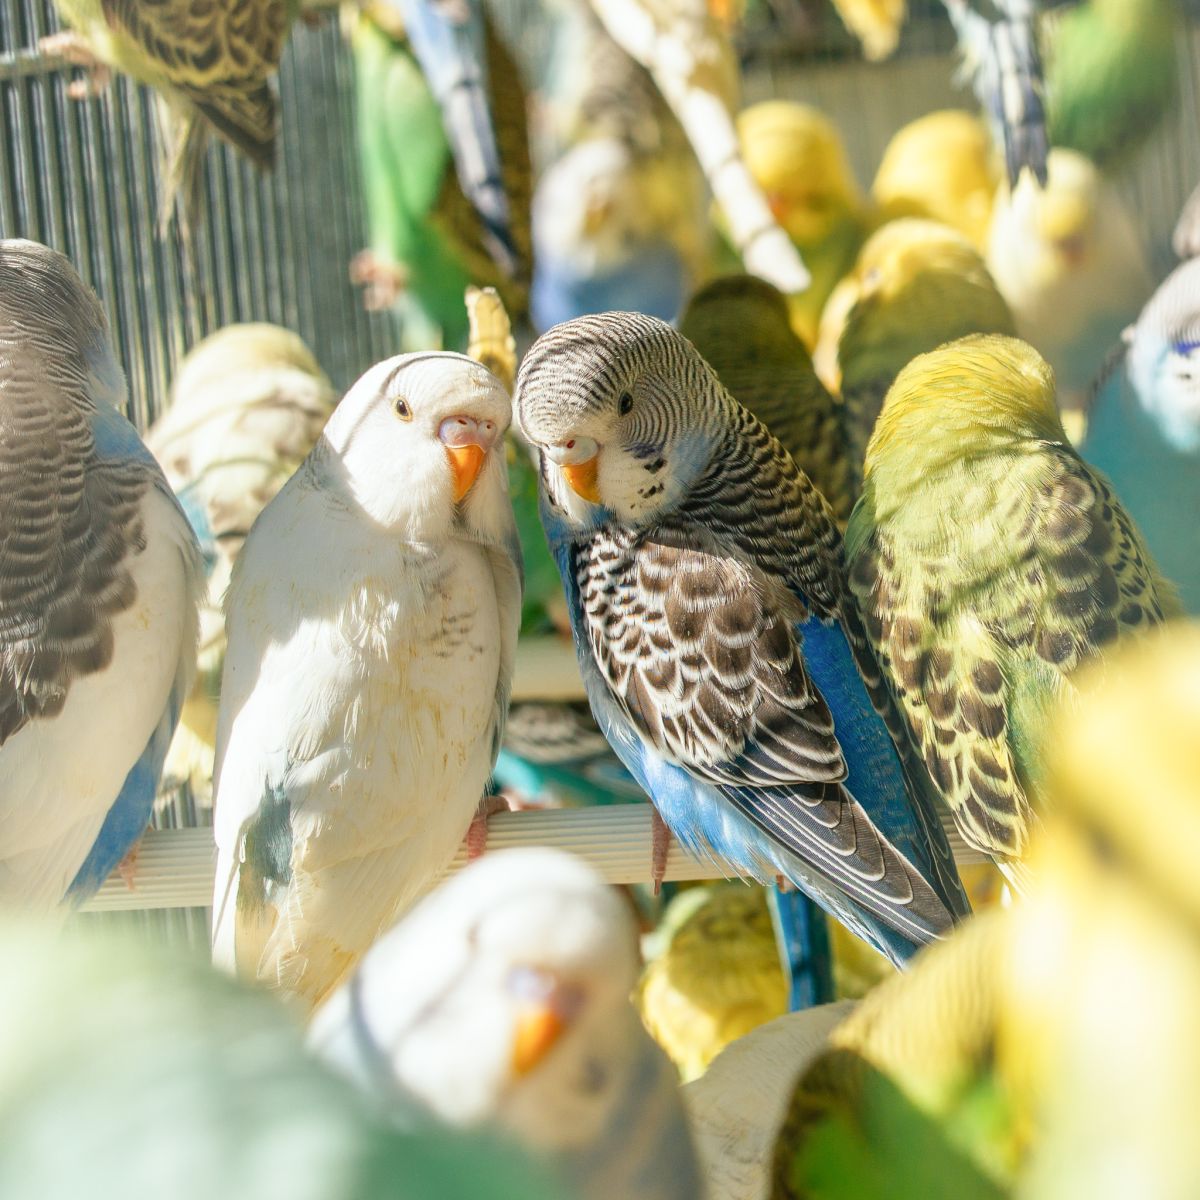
(380,280)
(127,867)
(70,46)
(660,847)
(477,831)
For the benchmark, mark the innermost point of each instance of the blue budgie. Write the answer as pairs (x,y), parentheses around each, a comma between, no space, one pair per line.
(100,579)
(720,648)
(1144,428)
(502,1004)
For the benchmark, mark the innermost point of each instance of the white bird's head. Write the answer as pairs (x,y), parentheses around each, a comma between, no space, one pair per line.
(503,999)
(418,444)
(625,412)
(1164,357)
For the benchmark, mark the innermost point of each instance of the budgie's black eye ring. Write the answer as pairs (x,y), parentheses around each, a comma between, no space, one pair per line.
(626,403)
(401,409)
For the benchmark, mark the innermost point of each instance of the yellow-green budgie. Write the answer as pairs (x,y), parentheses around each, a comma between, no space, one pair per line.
(796,155)
(918,284)
(740,324)
(989,561)
(209,60)
(247,405)
(942,166)
(718,977)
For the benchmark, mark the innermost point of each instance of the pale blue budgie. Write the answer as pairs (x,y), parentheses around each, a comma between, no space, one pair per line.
(1143,428)
(128,1071)
(99,583)
(716,634)
(372,628)
(502,1002)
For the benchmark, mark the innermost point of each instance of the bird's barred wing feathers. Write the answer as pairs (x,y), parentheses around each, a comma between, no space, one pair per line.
(1076,577)
(218,55)
(67,525)
(700,652)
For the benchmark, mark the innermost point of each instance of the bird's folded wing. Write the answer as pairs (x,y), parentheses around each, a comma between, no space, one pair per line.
(218,55)
(67,526)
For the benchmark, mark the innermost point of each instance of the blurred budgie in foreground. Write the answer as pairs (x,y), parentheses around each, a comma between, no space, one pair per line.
(941,166)
(1143,428)
(740,324)
(1070,262)
(427,240)
(1048,1050)
(247,405)
(99,582)
(902,1102)
(372,626)
(989,561)
(716,977)
(736,1107)
(697,560)
(918,284)
(1112,74)
(502,1003)
(796,155)
(210,63)
(176,1082)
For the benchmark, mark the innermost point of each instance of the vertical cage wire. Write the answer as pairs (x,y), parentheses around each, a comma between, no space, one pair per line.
(84,177)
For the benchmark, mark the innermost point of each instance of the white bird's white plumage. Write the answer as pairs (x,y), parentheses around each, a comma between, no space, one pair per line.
(737,1106)
(247,405)
(432,1019)
(372,626)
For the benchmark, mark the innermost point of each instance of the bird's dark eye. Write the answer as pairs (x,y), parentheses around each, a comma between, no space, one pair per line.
(626,404)
(400,406)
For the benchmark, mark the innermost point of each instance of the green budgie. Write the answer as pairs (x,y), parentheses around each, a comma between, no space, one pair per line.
(209,60)
(1112,74)
(740,323)
(426,238)
(919,284)
(127,1071)
(989,561)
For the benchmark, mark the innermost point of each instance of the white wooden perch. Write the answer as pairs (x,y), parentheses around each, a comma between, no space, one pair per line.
(175,867)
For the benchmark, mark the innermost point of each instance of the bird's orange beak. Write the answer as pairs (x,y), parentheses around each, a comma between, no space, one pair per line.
(466,462)
(582,478)
(538,1027)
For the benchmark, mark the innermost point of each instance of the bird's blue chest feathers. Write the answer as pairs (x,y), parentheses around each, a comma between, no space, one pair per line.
(116,439)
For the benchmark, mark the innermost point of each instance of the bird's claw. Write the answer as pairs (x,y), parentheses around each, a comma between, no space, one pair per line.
(477,831)
(127,867)
(381,281)
(660,847)
(72,48)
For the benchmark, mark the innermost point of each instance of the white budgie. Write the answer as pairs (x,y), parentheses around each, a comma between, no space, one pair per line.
(372,626)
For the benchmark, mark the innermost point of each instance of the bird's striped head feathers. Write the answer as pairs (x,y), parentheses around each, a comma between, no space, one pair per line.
(625,412)
(51,315)
(972,396)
